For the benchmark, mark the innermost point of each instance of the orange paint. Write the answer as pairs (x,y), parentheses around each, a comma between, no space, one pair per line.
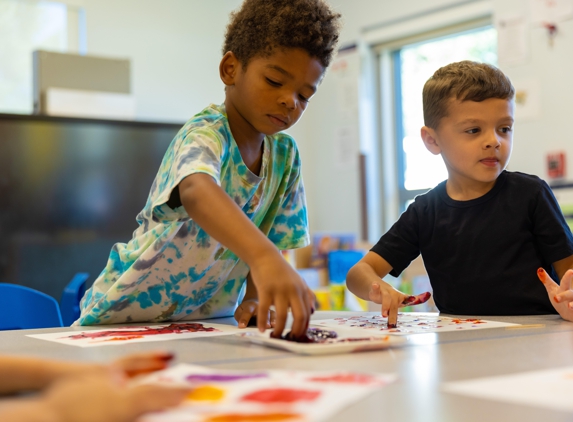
(281,395)
(123,338)
(541,274)
(206,393)
(254,417)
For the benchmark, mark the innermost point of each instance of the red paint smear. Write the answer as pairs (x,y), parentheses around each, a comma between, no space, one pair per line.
(416,300)
(472,320)
(145,331)
(346,379)
(254,417)
(281,395)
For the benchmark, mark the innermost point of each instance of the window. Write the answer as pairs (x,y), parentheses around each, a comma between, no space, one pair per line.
(413,62)
(26,26)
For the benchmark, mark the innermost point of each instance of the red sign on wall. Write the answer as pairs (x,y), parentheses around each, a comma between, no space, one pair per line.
(556,165)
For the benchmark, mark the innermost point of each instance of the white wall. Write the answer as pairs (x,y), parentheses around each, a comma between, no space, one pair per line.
(174,47)
(175,50)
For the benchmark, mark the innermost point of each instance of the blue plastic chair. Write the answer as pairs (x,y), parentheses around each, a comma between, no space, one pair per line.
(340,262)
(71,297)
(25,308)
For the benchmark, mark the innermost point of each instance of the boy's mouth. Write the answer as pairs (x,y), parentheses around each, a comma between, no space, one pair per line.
(278,120)
(490,162)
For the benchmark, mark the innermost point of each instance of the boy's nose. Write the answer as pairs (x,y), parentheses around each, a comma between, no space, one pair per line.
(493,141)
(289,101)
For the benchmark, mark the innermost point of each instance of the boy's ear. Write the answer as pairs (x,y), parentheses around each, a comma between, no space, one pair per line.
(228,68)
(429,137)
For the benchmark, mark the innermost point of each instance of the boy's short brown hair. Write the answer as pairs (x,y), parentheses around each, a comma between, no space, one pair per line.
(464,81)
(260,26)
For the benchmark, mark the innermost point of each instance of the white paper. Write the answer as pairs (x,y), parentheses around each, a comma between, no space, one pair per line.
(345,148)
(137,334)
(234,395)
(512,40)
(527,99)
(409,323)
(550,389)
(550,11)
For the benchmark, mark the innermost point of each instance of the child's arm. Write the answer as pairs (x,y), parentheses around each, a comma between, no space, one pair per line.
(246,312)
(27,373)
(365,280)
(277,283)
(560,295)
(91,397)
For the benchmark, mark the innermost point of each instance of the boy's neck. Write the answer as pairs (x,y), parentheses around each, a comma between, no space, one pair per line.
(467,190)
(247,138)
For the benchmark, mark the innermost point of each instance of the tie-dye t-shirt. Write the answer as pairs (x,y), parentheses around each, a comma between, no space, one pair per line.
(173,270)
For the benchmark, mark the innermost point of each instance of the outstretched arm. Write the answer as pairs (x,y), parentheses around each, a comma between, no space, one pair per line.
(365,280)
(92,397)
(30,374)
(560,295)
(276,282)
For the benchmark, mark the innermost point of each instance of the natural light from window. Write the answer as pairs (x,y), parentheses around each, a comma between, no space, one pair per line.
(418,62)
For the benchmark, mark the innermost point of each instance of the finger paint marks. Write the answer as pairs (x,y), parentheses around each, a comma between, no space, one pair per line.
(255,417)
(206,393)
(124,338)
(144,331)
(416,300)
(223,377)
(347,378)
(281,395)
(541,274)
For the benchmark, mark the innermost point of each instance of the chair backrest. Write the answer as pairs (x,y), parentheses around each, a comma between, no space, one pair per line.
(25,308)
(71,297)
(340,262)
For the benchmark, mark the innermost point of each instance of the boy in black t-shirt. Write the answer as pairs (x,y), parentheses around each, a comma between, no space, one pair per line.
(486,235)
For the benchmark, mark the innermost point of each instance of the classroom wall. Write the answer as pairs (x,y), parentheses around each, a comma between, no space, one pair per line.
(175,46)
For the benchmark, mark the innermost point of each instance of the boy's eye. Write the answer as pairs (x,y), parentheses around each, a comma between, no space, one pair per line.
(303,98)
(273,83)
(506,129)
(473,130)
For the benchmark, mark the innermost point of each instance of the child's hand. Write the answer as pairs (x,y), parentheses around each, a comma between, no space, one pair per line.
(143,363)
(246,314)
(105,397)
(560,295)
(280,285)
(390,299)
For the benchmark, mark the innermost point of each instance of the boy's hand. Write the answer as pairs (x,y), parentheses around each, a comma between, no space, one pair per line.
(560,295)
(280,285)
(246,314)
(142,363)
(106,397)
(390,299)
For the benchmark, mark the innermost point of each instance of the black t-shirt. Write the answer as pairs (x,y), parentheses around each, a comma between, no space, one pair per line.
(482,255)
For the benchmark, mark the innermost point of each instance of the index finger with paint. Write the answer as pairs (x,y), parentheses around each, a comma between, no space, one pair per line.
(560,295)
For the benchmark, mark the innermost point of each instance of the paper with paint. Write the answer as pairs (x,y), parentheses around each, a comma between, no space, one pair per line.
(409,323)
(550,388)
(344,341)
(137,334)
(250,396)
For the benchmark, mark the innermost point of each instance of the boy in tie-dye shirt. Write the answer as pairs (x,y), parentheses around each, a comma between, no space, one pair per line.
(229,192)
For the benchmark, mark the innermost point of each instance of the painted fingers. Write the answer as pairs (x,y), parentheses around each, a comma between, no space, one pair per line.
(560,295)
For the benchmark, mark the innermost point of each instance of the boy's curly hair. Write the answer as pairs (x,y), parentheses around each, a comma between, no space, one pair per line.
(464,81)
(260,26)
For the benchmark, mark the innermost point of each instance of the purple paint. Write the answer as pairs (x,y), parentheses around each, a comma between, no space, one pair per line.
(222,377)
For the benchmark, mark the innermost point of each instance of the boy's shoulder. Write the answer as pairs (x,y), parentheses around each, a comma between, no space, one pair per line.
(211,116)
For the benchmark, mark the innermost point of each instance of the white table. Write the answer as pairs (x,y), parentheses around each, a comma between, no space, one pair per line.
(422,365)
